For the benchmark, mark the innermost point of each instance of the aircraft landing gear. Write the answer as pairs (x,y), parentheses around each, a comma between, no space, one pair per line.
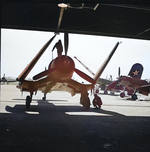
(134,96)
(85,101)
(44,98)
(105,92)
(28,101)
(122,94)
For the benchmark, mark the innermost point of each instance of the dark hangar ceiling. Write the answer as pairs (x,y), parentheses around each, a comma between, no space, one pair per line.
(105,17)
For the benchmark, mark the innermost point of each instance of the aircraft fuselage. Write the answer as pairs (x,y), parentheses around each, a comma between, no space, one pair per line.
(64,67)
(134,82)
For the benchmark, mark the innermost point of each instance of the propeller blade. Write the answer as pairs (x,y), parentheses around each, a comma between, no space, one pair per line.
(40,75)
(66,42)
(26,71)
(43,74)
(85,76)
(119,72)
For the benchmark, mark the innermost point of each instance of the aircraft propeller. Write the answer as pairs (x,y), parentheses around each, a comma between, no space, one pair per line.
(66,42)
(80,73)
(119,72)
(85,76)
(43,74)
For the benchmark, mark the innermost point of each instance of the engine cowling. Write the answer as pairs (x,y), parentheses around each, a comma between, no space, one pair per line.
(64,68)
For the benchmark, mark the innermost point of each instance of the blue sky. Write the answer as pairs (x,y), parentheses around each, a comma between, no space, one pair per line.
(18,48)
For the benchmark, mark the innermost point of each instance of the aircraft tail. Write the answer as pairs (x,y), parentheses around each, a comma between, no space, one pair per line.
(101,69)
(136,71)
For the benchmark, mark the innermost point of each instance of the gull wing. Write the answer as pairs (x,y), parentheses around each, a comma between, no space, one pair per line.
(30,66)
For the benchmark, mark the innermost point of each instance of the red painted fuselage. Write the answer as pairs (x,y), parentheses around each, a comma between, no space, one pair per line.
(64,67)
(134,82)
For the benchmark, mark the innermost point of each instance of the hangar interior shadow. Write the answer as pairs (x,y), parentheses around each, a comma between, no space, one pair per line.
(53,130)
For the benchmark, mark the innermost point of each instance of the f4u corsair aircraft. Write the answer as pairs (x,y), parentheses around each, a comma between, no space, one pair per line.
(132,83)
(135,81)
(58,76)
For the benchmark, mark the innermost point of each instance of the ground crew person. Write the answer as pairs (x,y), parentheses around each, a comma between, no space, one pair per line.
(59,48)
(97,102)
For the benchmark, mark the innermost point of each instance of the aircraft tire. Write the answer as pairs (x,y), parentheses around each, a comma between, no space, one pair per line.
(97,90)
(105,92)
(86,104)
(28,101)
(99,107)
(86,107)
(134,96)
(122,94)
(44,98)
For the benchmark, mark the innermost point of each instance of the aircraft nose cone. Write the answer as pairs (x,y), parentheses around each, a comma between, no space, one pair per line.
(66,63)
(63,64)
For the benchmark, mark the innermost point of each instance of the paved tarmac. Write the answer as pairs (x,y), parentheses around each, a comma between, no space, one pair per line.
(59,124)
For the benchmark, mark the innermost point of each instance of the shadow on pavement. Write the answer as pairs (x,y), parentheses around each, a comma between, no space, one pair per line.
(54,130)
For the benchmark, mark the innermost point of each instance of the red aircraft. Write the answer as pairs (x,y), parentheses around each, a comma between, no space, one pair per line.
(115,86)
(133,83)
(58,77)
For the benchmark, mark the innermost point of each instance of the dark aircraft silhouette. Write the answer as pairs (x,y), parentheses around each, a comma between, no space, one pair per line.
(6,80)
(58,77)
(3,80)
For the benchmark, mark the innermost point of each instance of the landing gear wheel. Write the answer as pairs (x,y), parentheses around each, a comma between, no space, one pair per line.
(134,97)
(122,95)
(86,104)
(44,98)
(105,92)
(28,101)
(86,107)
(97,90)
(85,101)
(99,107)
